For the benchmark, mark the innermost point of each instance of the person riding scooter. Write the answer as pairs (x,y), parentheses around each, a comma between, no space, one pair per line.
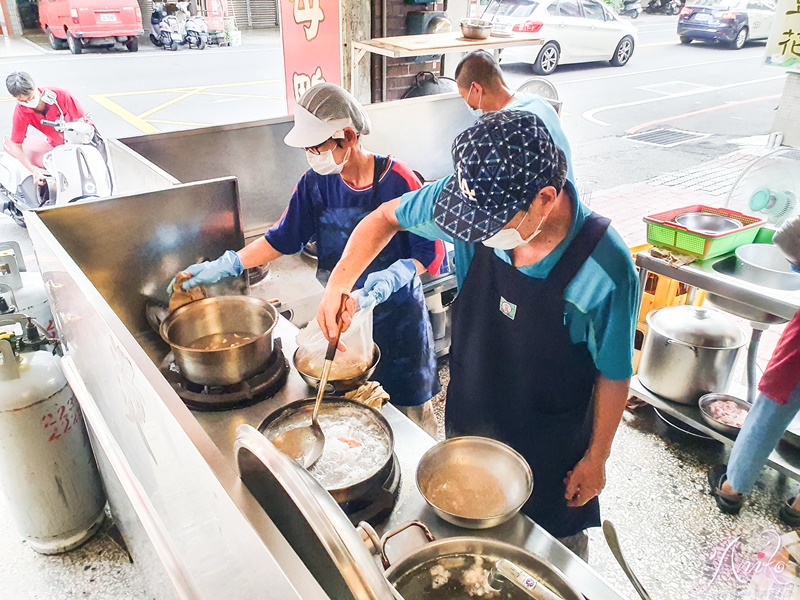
(34,106)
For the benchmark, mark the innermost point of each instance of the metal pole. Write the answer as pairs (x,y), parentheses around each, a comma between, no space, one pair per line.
(752,356)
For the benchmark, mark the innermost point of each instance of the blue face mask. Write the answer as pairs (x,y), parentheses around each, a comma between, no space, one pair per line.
(475,111)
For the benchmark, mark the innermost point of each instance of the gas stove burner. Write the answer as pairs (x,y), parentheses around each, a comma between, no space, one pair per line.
(216,398)
(376,505)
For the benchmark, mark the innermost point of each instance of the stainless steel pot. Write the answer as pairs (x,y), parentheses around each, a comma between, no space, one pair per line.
(411,573)
(223,314)
(301,409)
(689,351)
(476,29)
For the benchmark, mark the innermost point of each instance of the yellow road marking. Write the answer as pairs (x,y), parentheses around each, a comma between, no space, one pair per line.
(163,105)
(123,114)
(188,124)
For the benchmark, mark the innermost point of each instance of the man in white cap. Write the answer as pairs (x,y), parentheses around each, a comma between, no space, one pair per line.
(344,184)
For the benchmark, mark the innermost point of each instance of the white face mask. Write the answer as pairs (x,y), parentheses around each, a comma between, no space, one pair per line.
(34,101)
(475,111)
(324,163)
(508,239)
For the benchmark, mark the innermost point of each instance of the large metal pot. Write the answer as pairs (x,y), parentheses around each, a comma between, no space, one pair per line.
(223,314)
(689,351)
(411,574)
(301,410)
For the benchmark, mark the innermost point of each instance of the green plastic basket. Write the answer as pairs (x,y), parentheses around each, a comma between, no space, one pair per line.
(663,232)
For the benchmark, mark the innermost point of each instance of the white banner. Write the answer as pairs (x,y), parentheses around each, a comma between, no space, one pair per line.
(783,47)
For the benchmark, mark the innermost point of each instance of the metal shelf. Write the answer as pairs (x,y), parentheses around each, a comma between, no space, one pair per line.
(785,458)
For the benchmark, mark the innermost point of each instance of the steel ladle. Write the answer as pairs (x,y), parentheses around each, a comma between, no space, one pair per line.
(306,443)
(612,539)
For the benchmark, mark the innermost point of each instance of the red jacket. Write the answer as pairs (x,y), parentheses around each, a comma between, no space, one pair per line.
(783,371)
(24,116)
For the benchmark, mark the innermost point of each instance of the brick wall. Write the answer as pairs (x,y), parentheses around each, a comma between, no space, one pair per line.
(400,72)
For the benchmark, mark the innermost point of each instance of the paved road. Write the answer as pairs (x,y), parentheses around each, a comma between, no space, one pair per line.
(721,93)
(700,88)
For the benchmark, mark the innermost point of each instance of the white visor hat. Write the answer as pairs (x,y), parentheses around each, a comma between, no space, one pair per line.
(310,131)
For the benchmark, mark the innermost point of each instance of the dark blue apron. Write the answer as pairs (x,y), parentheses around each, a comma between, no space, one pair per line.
(516,376)
(401,326)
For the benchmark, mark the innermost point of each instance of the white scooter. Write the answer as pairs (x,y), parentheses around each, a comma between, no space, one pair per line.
(75,170)
(179,29)
(194,27)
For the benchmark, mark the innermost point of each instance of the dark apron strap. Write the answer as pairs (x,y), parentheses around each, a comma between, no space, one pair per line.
(381,162)
(579,251)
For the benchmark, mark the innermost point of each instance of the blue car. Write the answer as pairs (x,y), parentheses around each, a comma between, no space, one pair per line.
(732,22)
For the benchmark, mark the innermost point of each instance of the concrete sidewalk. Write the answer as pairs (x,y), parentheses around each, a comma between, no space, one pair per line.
(11,47)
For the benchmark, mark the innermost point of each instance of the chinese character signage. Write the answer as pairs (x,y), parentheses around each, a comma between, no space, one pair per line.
(783,47)
(312,45)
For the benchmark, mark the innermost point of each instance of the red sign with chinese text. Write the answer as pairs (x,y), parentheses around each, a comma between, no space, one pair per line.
(312,45)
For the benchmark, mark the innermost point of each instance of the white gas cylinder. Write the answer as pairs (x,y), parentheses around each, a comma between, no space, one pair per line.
(28,294)
(48,474)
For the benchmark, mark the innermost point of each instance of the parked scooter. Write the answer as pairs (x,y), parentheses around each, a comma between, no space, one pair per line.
(667,7)
(158,15)
(631,8)
(181,28)
(194,27)
(75,170)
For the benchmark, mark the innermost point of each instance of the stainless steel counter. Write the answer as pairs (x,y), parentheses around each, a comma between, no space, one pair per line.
(715,276)
(410,444)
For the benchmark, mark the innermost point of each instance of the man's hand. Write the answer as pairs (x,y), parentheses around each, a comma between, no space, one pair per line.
(38,178)
(329,309)
(585,481)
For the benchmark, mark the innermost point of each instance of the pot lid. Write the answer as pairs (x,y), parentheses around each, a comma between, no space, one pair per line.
(697,325)
(310,520)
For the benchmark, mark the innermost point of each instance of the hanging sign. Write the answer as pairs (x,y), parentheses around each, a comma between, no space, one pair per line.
(312,45)
(783,46)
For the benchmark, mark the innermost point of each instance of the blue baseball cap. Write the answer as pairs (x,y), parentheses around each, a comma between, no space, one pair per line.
(502,162)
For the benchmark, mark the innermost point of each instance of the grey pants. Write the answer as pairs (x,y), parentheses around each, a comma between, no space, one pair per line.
(578,544)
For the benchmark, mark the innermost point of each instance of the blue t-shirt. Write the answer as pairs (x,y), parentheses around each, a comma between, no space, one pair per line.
(544,110)
(601,300)
(328,209)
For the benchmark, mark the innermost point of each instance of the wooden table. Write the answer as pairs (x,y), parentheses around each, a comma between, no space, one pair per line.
(403,46)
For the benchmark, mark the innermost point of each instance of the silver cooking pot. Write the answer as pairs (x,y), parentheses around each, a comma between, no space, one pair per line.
(223,314)
(689,351)
(411,575)
(302,409)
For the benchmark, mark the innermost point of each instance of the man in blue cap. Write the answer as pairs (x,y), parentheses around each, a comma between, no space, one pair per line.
(544,321)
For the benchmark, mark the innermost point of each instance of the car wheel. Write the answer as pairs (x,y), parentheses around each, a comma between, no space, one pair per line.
(740,40)
(133,44)
(74,44)
(547,59)
(55,43)
(686,40)
(623,52)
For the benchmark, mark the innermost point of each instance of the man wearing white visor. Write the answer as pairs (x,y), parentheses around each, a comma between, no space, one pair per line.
(344,184)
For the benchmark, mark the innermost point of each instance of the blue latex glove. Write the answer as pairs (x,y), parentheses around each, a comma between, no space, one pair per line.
(206,273)
(382,284)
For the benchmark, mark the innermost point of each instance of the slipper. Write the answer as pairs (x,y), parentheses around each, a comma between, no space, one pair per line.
(790,515)
(730,504)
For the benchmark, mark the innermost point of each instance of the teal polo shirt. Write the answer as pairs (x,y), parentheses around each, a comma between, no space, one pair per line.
(600,302)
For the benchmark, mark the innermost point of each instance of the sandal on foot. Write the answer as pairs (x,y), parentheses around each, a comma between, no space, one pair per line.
(730,504)
(790,515)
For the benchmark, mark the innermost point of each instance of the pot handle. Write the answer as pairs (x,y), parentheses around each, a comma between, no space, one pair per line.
(399,529)
(680,343)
